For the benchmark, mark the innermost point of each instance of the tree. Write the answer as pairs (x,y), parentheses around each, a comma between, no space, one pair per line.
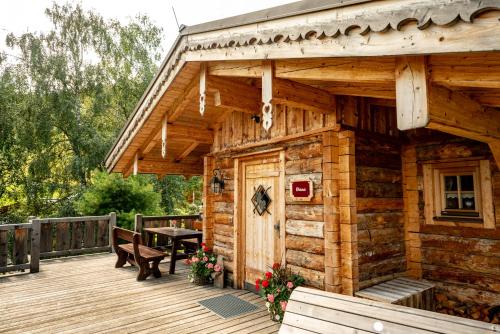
(64,101)
(181,196)
(112,193)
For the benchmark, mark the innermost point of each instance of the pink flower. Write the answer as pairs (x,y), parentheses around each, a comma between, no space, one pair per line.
(187,262)
(270,298)
(210,265)
(217,268)
(289,285)
(278,290)
(195,259)
(205,259)
(283,305)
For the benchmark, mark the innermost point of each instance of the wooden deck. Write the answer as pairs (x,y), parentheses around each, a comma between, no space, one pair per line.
(86,294)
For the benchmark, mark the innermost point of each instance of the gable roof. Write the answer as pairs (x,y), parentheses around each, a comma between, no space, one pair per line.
(253,29)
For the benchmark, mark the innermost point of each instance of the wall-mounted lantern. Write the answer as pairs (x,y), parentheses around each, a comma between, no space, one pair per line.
(217,182)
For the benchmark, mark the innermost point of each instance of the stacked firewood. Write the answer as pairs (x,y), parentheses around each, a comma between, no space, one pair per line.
(482,312)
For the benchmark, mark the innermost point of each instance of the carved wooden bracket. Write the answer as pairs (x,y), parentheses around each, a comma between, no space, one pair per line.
(203,88)
(164,137)
(267,95)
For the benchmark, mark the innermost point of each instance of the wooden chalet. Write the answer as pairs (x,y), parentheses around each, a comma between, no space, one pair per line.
(389,110)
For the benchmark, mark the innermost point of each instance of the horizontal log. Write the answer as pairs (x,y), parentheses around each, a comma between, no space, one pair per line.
(380,220)
(371,205)
(223,241)
(305,228)
(379,236)
(379,190)
(465,232)
(303,166)
(451,259)
(370,253)
(306,260)
(306,151)
(226,252)
(223,218)
(305,244)
(377,174)
(463,148)
(372,270)
(461,245)
(304,212)
(375,158)
(226,230)
(463,277)
(467,294)
(223,207)
(312,278)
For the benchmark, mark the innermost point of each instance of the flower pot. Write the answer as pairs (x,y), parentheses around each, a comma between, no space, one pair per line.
(200,280)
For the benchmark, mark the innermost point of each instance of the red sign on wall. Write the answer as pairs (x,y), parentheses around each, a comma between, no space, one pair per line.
(301,190)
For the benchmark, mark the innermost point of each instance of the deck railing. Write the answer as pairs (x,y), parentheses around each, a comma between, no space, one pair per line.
(192,222)
(19,248)
(23,245)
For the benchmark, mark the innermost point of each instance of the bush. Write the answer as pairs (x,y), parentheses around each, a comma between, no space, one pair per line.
(112,193)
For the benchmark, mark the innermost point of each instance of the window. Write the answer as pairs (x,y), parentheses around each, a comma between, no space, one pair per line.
(458,193)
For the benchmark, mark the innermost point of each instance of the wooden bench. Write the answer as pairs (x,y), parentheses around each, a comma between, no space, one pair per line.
(135,253)
(315,311)
(402,291)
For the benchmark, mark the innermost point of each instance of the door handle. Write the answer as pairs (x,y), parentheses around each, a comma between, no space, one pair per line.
(277,226)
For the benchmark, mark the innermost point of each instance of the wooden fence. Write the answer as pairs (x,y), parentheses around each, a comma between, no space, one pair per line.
(192,222)
(23,245)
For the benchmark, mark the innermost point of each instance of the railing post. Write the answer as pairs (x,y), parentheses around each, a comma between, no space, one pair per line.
(112,224)
(35,246)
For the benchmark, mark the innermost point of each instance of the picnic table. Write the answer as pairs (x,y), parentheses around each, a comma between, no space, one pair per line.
(177,235)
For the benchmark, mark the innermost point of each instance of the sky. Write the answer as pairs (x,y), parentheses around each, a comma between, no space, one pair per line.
(19,16)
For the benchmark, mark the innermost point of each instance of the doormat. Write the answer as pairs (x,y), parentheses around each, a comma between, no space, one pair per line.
(228,306)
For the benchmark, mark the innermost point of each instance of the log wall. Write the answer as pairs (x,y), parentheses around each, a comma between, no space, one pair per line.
(379,195)
(464,261)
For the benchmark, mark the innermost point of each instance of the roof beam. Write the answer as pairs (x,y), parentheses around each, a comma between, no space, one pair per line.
(295,94)
(360,70)
(179,132)
(420,104)
(161,167)
(233,94)
(190,148)
(244,69)
(183,100)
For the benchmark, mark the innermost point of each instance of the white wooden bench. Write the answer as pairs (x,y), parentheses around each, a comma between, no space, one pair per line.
(402,291)
(315,311)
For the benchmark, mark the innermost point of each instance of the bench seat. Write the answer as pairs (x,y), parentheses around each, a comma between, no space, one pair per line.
(144,251)
(315,311)
(135,253)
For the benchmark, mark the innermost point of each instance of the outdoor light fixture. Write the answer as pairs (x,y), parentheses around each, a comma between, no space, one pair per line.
(217,182)
(255,118)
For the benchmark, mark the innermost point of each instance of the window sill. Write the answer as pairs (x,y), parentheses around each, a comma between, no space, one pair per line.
(459,219)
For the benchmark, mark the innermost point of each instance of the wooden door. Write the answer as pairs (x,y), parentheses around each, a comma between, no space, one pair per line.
(262,241)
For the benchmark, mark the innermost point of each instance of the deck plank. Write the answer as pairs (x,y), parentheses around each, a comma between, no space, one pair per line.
(86,294)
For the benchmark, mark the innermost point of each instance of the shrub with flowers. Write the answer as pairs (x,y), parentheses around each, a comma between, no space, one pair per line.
(276,287)
(204,266)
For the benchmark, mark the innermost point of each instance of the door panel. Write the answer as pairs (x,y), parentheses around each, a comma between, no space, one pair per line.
(262,237)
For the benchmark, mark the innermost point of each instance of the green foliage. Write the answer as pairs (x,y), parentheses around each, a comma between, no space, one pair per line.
(112,193)
(64,100)
(203,265)
(180,196)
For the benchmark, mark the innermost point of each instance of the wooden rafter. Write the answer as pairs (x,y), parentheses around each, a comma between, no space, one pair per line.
(234,95)
(420,104)
(180,132)
(190,148)
(161,167)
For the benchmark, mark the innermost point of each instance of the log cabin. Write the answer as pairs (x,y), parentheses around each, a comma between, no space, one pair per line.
(358,141)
